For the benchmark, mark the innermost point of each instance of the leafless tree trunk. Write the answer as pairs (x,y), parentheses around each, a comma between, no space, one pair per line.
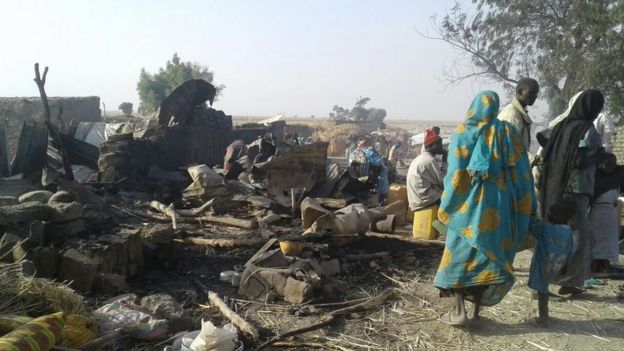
(54,133)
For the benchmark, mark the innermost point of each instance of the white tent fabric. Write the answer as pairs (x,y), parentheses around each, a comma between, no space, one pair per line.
(96,133)
(276,118)
(93,133)
(419,139)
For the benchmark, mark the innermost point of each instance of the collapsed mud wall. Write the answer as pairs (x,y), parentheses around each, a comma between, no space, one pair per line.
(17,110)
(337,135)
(169,149)
(184,145)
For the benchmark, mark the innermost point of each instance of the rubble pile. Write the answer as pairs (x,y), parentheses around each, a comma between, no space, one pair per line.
(165,195)
(274,276)
(202,141)
(45,228)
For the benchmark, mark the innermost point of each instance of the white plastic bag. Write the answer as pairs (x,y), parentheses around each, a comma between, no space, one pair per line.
(211,338)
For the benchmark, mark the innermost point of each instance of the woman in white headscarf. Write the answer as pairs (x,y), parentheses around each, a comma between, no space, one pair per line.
(538,161)
(565,113)
(571,149)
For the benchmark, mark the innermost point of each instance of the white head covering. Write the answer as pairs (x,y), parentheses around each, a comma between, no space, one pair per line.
(565,113)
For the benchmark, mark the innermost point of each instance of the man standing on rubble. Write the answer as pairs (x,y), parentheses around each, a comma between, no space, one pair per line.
(516,112)
(425,177)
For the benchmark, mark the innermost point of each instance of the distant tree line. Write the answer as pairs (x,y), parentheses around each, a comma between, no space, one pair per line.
(359,113)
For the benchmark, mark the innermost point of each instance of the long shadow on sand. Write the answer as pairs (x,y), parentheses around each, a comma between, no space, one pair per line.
(611,328)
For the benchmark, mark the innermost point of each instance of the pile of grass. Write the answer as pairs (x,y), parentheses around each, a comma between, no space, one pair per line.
(35,296)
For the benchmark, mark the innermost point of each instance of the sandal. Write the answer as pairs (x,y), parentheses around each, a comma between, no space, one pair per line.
(450,320)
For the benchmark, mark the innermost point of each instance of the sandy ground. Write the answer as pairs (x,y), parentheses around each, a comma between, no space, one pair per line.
(593,321)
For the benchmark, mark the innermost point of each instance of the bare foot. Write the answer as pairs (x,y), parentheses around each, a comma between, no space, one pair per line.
(452,318)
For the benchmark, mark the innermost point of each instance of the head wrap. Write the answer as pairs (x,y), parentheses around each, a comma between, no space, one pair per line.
(562,145)
(431,137)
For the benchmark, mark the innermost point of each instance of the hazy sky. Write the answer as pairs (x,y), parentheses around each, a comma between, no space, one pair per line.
(296,57)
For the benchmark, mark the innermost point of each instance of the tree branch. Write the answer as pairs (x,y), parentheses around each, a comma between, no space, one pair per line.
(54,133)
(466,47)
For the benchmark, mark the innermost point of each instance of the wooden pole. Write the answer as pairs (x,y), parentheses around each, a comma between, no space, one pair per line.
(222,243)
(237,320)
(54,133)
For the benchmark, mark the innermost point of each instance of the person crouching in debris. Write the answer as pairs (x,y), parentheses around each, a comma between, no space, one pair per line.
(234,152)
(487,205)
(604,222)
(425,179)
(368,163)
(395,155)
(553,249)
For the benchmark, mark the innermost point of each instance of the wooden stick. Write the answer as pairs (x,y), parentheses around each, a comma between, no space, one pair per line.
(227,243)
(237,320)
(54,133)
(293,205)
(130,213)
(366,257)
(231,221)
(408,241)
(300,345)
(372,302)
(330,317)
(167,210)
(193,212)
(260,252)
(179,216)
(174,218)
(325,321)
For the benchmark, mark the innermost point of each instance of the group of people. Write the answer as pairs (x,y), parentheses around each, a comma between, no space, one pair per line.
(372,159)
(497,199)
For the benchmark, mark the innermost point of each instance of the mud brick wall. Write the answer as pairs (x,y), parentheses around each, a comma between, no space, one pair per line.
(183,145)
(16,110)
(618,142)
(170,149)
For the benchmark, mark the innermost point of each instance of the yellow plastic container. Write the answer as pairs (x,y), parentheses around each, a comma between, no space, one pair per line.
(423,223)
(399,192)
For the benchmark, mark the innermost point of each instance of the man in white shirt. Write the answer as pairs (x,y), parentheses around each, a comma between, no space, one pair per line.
(606,128)
(516,112)
(425,177)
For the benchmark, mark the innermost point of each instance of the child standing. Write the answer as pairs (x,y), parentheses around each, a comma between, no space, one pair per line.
(553,249)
